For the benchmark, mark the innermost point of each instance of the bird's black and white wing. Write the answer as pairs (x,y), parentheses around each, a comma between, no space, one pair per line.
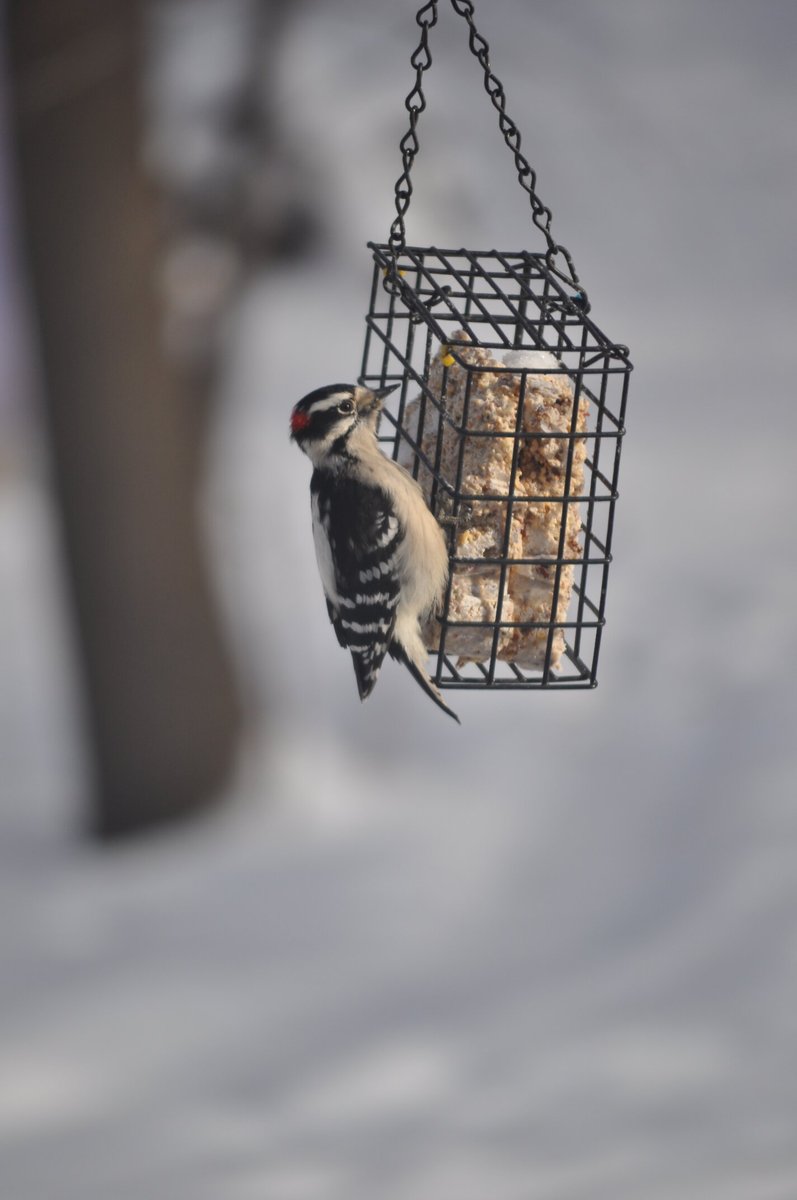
(357,534)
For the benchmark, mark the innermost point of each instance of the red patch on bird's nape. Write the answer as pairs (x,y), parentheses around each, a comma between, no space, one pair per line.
(299,420)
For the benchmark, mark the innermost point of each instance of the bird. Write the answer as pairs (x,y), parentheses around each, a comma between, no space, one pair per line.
(381,554)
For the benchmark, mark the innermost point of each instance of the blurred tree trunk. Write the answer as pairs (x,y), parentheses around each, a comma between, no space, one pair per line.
(125,439)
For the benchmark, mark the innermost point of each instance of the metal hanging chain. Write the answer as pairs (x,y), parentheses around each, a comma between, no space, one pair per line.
(409,145)
(415,104)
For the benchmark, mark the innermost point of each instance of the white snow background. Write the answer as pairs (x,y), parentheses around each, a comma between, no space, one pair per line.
(551,955)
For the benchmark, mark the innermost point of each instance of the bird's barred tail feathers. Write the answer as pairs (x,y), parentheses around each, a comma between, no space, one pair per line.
(366,668)
(411,651)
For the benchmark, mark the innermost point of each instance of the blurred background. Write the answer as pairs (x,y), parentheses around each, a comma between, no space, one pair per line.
(551,954)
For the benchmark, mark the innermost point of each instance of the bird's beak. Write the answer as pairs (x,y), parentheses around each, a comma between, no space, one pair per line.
(381,393)
(369,400)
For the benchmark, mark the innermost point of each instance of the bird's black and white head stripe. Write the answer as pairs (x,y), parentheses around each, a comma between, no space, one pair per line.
(321,407)
(324,416)
(322,422)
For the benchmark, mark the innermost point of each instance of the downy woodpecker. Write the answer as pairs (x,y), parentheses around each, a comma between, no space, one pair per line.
(381,554)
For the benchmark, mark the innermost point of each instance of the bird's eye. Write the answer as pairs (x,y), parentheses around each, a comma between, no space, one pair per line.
(346,406)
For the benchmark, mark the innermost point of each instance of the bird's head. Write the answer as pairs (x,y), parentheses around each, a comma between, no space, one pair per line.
(322,421)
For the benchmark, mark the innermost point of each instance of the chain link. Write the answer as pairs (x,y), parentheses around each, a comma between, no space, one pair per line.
(557,258)
(409,145)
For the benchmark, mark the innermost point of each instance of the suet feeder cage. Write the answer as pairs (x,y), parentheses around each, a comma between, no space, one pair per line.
(510,414)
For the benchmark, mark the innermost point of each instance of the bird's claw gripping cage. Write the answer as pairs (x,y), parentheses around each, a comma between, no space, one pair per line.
(510,414)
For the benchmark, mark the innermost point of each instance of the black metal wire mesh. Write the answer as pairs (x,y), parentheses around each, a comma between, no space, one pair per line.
(519,460)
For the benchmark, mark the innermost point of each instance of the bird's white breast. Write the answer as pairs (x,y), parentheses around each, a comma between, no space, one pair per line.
(422,554)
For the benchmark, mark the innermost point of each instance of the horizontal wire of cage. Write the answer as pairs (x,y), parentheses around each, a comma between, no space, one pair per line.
(518,460)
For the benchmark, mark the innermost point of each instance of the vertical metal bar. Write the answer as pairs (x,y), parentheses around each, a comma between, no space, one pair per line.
(610,527)
(469,292)
(525,288)
(390,321)
(590,509)
(508,525)
(565,509)
(402,404)
(455,513)
(400,432)
(372,313)
(438,454)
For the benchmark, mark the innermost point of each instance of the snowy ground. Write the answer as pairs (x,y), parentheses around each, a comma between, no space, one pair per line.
(553,954)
